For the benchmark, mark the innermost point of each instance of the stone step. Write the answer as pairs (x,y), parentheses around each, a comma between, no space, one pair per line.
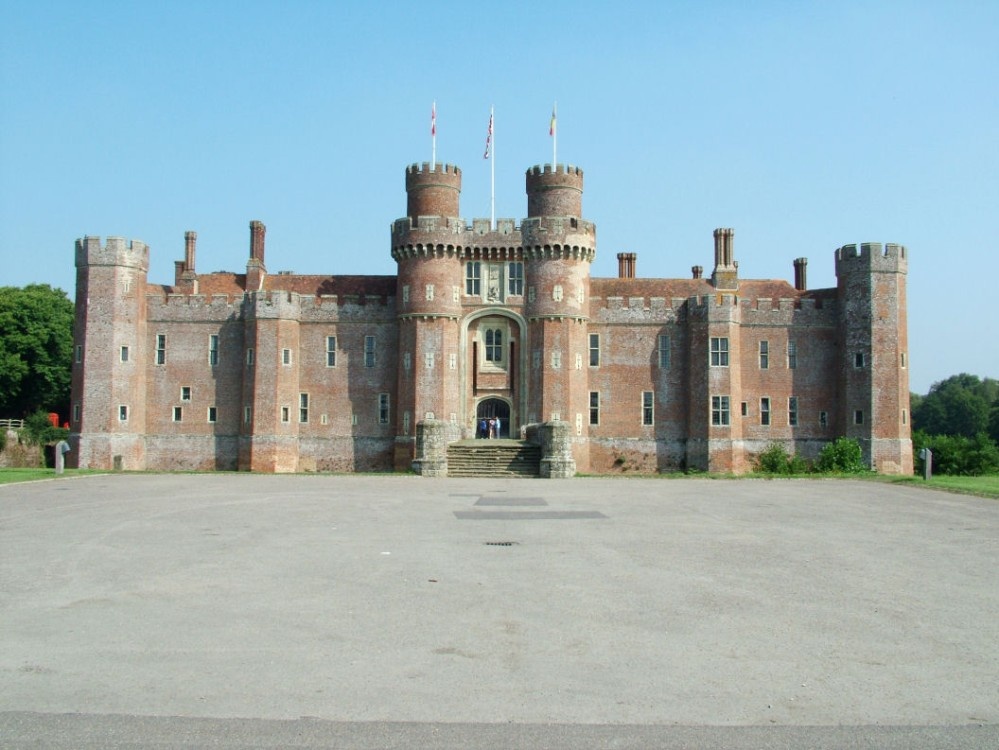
(490,458)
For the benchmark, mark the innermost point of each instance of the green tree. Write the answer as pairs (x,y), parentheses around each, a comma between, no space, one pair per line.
(959,405)
(36,350)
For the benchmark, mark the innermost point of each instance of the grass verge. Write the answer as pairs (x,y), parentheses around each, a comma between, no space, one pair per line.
(10,476)
(987,486)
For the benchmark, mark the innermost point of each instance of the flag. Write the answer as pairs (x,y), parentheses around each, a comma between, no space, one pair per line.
(489,137)
(551,128)
(433,119)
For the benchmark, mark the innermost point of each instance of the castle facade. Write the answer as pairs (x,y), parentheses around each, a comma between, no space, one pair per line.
(282,372)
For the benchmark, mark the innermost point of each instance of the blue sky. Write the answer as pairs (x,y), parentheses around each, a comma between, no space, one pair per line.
(803,125)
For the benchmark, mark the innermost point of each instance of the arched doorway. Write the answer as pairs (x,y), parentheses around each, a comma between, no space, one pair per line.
(494,407)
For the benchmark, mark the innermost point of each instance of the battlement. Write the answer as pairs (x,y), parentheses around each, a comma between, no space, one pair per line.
(432,189)
(539,169)
(871,257)
(554,191)
(116,251)
(413,170)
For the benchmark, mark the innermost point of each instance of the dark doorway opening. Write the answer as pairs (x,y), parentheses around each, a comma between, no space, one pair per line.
(494,408)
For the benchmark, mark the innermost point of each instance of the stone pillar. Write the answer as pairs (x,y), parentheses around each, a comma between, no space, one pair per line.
(432,437)
(556,451)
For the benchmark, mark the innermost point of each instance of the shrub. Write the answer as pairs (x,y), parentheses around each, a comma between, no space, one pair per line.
(958,456)
(39,430)
(842,455)
(776,460)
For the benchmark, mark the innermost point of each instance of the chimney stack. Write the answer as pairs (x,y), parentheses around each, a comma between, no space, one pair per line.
(626,265)
(800,274)
(697,271)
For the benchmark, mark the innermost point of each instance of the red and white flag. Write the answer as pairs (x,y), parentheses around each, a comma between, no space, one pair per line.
(489,138)
(551,127)
(433,119)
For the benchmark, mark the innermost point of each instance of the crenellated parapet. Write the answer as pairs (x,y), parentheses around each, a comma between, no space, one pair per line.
(432,190)
(871,257)
(116,251)
(554,191)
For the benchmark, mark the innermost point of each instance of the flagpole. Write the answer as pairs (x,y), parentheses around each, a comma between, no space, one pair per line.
(492,176)
(433,134)
(555,137)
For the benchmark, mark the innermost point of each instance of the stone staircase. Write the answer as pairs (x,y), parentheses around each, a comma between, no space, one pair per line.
(493,458)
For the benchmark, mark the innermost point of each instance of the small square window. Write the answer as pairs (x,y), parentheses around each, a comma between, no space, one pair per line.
(79,353)
(124,354)
(76,412)
(249,357)
(745,408)
(823,419)
(178,414)
(247,414)
(122,413)
(858,360)
(285,414)
(858,416)
(213,414)
(185,393)
(286,356)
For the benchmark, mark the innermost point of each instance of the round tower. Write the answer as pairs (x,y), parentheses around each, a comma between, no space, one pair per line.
(554,192)
(432,190)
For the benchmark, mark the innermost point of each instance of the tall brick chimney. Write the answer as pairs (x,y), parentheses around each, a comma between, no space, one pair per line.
(626,265)
(800,274)
(255,268)
(697,272)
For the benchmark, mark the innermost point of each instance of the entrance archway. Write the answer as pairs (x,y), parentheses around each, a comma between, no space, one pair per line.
(494,407)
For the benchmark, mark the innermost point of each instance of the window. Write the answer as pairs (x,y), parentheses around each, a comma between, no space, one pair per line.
(247,414)
(515,278)
(303,408)
(792,411)
(594,350)
(407,361)
(161,349)
(556,360)
(249,357)
(286,357)
(178,414)
(904,360)
(79,353)
(452,361)
(745,408)
(719,411)
(383,408)
(765,411)
(764,355)
(664,352)
(719,352)
(369,351)
(185,393)
(905,416)
(858,416)
(792,355)
(331,351)
(648,408)
(494,345)
(76,412)
(430,292)
(285,414)
(858,360)
(594,407)
(428,360)
(405,294)
(213,349)
(122,413)
(823,419)
(473,277)
(213,414)
(124,354)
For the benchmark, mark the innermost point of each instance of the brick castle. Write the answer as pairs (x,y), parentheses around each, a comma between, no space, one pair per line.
(282,372)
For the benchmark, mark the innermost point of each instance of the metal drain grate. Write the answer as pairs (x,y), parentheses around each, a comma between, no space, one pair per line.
(500,544)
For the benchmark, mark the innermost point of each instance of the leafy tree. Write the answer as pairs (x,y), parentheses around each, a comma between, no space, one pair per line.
(39,430)
(959,405)
(36,350)
(842,455)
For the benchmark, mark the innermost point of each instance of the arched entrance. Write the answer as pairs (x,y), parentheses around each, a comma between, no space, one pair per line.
(489,408)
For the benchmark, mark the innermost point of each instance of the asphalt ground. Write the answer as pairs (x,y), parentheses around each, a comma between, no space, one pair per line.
(235,610)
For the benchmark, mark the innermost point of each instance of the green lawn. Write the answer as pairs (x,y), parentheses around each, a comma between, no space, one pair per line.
(9,476)
(987,486)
